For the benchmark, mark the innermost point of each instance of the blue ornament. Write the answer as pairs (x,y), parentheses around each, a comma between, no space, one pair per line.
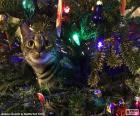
(97,15)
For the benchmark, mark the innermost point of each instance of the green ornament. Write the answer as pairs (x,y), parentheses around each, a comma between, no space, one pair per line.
(29,7)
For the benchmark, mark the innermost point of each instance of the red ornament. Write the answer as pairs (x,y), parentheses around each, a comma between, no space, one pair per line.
(41,98)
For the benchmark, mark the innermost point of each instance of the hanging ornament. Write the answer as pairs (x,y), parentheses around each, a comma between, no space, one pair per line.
(41,98)
(122,7)
(29,8)
(98,12)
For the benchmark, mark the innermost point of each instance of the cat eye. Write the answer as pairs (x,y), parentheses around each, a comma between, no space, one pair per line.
(30,44)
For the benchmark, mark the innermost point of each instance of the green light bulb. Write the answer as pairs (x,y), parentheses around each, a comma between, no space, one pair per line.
(24,3)
(29,7)
(75,37)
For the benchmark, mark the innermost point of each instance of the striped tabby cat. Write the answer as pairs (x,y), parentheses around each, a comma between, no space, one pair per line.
(40,56)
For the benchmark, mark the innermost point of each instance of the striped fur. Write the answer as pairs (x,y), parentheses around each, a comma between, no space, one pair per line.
(41,57)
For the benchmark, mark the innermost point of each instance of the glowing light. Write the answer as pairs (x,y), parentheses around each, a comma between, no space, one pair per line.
(83,53)
(99,2)
(97,92)
(24,3)
(92,8)
(137,98)
(76,39)
(67,9)
(28,4)
(121,102)
(31,28)
(100,44)
(63,51)
(51,113)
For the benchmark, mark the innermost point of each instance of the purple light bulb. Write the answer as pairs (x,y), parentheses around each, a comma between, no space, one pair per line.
(100,45)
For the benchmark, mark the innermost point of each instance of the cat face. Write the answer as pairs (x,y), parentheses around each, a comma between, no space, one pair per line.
(36,49)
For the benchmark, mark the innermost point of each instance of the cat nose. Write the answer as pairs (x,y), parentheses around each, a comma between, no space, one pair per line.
(39,47)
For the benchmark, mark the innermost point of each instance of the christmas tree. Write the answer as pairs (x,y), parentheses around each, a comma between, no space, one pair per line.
(69,57)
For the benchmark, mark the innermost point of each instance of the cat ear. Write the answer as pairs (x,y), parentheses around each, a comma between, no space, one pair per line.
(25,30)
(18,34)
